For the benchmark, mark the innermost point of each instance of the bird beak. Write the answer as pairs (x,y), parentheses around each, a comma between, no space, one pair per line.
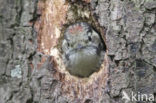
(79,46)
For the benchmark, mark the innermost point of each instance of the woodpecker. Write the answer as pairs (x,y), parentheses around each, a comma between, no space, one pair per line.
(83,49)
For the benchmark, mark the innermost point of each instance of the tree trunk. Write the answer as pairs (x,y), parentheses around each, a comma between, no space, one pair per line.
(30,37)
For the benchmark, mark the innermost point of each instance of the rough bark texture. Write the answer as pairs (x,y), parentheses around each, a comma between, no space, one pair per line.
(26,74)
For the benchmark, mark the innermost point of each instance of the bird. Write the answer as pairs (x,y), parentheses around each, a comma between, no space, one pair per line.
(83,49)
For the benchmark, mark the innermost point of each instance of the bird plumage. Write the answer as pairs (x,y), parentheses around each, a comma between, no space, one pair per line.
(82,49)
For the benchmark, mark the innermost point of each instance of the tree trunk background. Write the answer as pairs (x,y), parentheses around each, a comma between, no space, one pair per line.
(26,74)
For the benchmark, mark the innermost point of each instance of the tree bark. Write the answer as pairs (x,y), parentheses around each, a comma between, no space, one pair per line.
(29,75)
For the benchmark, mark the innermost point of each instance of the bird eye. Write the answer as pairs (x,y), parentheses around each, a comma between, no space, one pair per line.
(68,44)
(99,45)
(89,38)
